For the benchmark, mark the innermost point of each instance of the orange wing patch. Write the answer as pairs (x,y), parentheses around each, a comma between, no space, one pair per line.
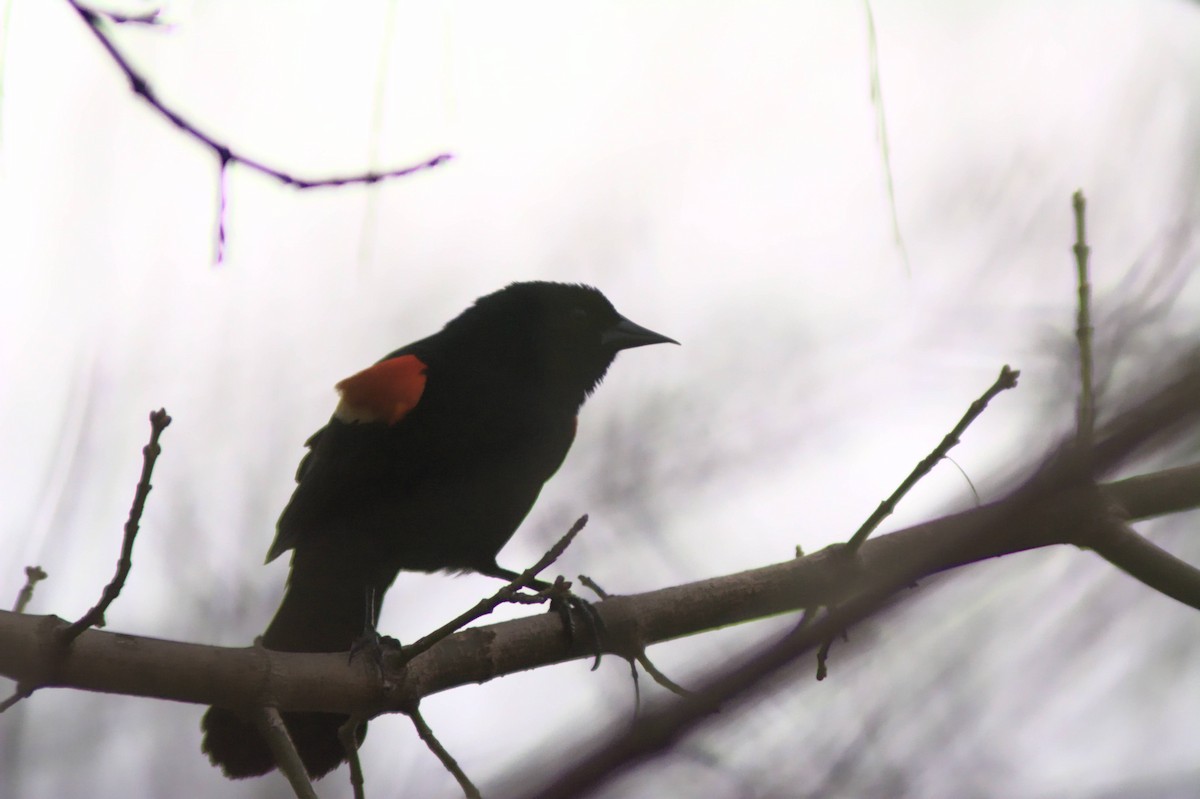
(384,392)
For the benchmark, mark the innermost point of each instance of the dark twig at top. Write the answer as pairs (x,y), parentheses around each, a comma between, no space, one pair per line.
(151,17)
(508,593)
(225,154)
(1006,380)
(95,617)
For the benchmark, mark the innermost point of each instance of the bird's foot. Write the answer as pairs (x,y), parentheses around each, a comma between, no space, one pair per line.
(569,606)
(371,643)
(374,646)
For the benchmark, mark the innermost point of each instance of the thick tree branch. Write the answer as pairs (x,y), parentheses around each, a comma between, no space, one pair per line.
(234,677)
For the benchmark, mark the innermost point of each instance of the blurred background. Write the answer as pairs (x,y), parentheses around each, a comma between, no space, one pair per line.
(718,170)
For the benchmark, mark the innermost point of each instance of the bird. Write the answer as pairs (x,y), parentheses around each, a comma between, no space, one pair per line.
(432,458)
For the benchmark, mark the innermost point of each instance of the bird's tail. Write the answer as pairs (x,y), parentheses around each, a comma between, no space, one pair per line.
(325,609)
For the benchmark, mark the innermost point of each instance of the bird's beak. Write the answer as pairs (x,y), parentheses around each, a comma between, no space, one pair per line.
(625,335)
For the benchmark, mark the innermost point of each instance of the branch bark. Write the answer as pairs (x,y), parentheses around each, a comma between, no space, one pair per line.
(141,666)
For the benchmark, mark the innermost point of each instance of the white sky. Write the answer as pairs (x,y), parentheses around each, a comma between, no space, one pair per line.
(715,169)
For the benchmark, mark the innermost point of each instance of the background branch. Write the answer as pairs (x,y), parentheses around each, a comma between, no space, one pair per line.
(225,153)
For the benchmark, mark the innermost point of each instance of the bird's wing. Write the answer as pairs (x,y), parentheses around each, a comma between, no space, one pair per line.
(355,454)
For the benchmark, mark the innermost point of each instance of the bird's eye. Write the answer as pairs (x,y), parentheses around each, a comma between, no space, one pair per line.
(579,315)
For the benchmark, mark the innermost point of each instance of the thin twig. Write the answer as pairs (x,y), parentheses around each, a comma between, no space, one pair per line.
(151,17)
(223,158)
(508,593)
(95,617)
(348,735)
(447,759)
(881,132)
(226,154)
(22,692)
(823,658)
(1006,380)
(370,216)
(33,575)
(1083,327)
(637,689)
(271,727)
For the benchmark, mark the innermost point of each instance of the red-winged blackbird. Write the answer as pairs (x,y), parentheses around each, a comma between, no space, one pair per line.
(432,459)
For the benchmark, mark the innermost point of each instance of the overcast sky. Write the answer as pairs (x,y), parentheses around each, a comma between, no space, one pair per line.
(716,169)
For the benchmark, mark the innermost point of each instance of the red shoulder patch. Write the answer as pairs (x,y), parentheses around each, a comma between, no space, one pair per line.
(384,392)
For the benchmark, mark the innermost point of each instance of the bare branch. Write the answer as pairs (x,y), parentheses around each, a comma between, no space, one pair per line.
(158,422)
(1006,380)
(271,727)
(882,133)
(1119,544)
(248,677)
(150,18)
(508,593)
(224,153)
(665,725)
(22,692)
(348,735)
(66,635)
(443,755)
(1083,326)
